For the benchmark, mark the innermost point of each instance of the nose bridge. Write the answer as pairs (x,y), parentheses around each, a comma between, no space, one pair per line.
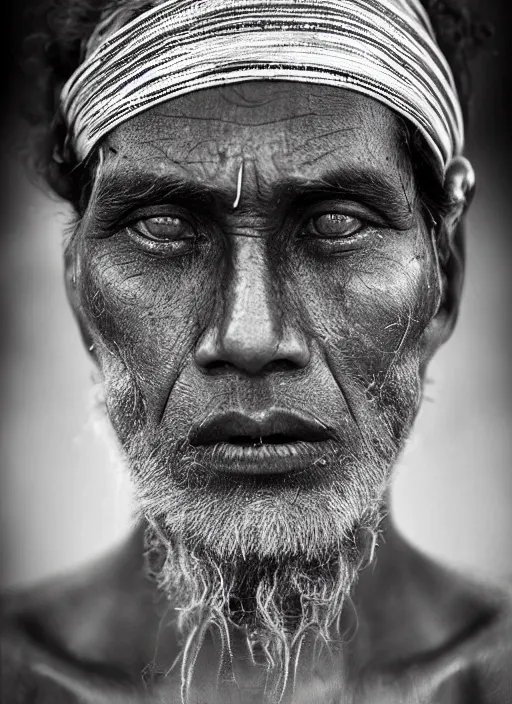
(250,328)
(250,331)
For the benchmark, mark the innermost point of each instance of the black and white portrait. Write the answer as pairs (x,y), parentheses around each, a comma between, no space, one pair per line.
(256,411)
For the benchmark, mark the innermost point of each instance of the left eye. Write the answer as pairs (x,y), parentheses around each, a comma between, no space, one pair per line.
(331,225)
(165,228)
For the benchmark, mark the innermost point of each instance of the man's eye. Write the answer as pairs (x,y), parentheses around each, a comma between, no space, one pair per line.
(165,235)
(333,225)
(165,228)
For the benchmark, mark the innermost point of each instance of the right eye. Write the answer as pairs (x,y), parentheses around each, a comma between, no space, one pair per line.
(170,228)
(165,234)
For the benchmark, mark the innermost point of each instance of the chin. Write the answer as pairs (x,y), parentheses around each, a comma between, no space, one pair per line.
(273,555)
(272,567)
(309,514)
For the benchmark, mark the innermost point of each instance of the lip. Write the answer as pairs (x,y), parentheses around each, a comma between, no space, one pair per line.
(274,441)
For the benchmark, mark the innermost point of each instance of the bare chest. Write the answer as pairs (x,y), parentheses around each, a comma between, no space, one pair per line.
(418,685)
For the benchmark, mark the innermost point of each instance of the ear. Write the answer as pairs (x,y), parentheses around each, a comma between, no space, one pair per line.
(71,277)
(459,187)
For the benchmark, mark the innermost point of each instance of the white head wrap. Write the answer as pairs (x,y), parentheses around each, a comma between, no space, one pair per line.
(385,49)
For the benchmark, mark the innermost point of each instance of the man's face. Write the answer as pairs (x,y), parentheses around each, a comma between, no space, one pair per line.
(258,281)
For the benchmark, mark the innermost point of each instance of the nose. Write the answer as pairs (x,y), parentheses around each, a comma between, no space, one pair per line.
(253,333)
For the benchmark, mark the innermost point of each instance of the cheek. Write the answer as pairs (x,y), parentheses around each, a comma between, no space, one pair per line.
(144,313)
(370,309)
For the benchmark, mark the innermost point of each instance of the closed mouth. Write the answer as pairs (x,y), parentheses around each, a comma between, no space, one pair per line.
(269,442)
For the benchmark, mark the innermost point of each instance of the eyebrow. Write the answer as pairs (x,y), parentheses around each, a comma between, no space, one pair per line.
(122,191)
(367,186)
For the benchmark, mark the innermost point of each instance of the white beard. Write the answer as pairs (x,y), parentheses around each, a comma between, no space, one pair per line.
(276,558)
(278,562)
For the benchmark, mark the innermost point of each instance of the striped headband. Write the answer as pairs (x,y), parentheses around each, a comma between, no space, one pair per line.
(385,49)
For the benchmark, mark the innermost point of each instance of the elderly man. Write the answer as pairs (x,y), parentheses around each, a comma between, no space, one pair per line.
(267,253)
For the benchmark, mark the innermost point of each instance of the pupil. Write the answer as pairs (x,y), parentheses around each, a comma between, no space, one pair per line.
(331,223)
(166,226)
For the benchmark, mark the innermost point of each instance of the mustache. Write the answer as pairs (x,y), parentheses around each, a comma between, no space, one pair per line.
(194,467)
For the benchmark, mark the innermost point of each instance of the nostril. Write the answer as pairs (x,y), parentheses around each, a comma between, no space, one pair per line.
(216,365)
(281,365)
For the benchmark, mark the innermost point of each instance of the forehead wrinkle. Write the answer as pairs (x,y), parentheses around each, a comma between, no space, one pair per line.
(373,146)
(211,164)
(236,122)
(210,159)
(263,190)
(245,103)
(327,135)
(163,155)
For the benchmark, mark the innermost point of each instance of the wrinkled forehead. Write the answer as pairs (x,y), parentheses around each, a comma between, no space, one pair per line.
(300,129)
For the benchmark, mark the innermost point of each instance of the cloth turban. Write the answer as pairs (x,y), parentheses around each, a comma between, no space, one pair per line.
(385,49)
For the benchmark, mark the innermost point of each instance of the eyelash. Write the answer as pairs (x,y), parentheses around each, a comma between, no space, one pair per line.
(332,246)
(176,247)
(165,247)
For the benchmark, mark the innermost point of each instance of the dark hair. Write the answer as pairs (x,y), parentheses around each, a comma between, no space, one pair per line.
(54,48)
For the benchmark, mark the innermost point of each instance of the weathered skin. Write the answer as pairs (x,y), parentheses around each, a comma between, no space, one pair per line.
(322,322)
(424,635)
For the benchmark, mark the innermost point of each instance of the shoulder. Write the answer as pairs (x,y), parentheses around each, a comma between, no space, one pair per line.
(490,652)
(90,628)
(22,675)
(477,660)
(56,646)
(469,658)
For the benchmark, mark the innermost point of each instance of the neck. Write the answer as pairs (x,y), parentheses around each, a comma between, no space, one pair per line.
(394,595)
(368,615)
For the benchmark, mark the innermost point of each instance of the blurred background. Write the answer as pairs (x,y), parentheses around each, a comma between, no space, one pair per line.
(63,499)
